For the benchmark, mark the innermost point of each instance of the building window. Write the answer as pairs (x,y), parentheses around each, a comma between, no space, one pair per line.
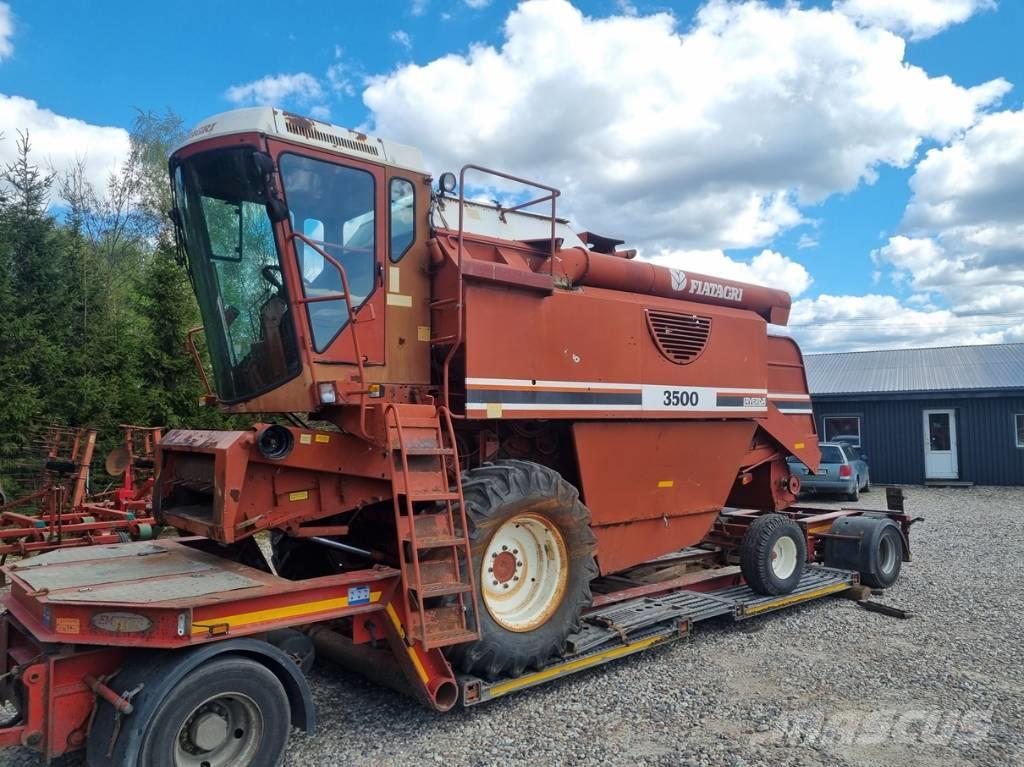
(1018,421)
(842,428)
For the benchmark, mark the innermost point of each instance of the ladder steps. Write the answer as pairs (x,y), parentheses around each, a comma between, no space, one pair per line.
(427,590)
(434,565)
(437,541)
(428,450)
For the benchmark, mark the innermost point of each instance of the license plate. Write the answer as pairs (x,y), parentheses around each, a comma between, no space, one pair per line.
(823,472)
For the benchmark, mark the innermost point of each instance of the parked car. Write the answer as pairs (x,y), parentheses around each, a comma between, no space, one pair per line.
(843,469)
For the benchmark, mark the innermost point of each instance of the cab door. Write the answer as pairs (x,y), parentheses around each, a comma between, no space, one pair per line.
(336,209)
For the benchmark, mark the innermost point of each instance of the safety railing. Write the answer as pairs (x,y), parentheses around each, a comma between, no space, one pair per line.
(552,195)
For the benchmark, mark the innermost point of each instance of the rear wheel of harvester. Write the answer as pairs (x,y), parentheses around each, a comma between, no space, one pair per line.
(533,559)
(773,554)
(230,712)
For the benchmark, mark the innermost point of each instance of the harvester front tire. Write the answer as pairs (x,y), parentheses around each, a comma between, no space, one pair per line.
(773,555)
(533,560)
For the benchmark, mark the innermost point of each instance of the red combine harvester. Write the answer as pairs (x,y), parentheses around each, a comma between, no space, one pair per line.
(61,512)
(532,454)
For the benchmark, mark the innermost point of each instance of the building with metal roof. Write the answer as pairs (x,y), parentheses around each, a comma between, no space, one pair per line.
(948,415)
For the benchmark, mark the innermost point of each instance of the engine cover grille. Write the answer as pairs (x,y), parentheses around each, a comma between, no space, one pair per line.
(681,338)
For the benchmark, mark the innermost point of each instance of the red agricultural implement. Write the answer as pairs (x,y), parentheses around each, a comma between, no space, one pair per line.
(60,512)
(532,453)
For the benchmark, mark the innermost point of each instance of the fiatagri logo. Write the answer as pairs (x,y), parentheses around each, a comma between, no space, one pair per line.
(715,290)
(704,288)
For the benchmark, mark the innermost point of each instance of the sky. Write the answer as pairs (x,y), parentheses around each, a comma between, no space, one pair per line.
(865,155)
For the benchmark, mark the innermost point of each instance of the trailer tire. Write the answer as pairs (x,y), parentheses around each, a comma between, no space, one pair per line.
(773,554)
(877,555)
(510,501)
(247,718)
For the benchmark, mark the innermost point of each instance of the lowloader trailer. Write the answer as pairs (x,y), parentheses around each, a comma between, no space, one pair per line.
(166,652)
(499,451)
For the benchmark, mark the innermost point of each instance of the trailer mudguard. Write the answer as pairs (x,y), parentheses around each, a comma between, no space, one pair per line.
(158,672)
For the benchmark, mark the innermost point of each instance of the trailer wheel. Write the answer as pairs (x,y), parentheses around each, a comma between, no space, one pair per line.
(229,712)
(873,547)
(533,557)
(773,554)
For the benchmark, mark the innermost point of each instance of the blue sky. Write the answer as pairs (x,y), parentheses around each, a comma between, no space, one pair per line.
(97,62)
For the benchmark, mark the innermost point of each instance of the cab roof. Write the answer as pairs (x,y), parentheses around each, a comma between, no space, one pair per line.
(278,123)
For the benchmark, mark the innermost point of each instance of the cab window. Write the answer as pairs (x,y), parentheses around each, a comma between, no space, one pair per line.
(333,206)
(403,221)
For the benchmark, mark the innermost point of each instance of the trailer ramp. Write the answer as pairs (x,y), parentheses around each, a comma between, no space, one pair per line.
(635,625)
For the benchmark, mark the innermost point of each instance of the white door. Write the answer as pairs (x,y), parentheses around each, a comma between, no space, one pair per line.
(940,445)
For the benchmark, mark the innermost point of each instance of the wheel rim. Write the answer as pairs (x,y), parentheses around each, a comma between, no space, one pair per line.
(784,557)
(523,573)
(223,730)
(887,554)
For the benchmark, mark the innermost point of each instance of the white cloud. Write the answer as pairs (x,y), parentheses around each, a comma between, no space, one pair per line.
(714,137)
(418,7)
(807,241)
(626,7)
(916,19)
(768,268)
(851,323)
(300,87)
(477,3)
(58,141)
(6,31)
(964,225)
(401,37)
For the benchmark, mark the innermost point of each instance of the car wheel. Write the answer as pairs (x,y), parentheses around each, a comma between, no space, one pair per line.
(854,495)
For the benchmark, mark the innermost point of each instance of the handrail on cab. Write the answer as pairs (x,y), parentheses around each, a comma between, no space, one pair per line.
(347,297)
(190,345)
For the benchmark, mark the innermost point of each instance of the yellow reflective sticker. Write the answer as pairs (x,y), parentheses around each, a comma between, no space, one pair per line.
(423,333)
(394,279)
(799,446)
(323,438)
(397,299)
(298,495)
(494,410)
(305,439)
(667,483)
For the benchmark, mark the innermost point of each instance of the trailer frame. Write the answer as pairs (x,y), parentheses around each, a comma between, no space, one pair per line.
(78,620)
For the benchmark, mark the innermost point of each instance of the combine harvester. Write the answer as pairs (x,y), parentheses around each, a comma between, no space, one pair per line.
(60,512)
(534,454)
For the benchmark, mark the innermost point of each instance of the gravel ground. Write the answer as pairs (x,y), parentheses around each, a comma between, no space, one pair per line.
(826,684)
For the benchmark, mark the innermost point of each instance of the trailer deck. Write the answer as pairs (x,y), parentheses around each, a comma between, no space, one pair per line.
(639,624)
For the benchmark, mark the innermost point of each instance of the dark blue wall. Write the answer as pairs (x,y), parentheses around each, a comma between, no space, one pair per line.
(892,435)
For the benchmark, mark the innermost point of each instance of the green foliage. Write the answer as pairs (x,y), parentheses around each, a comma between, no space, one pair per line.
(93,306)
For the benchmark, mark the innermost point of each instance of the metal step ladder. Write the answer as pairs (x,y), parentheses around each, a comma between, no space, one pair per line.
(438,589)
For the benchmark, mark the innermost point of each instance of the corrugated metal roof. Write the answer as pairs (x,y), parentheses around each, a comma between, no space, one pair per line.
(950,368)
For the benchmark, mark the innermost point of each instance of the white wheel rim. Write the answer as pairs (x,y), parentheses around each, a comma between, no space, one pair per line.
(887,555)
(524,572)
(784,557)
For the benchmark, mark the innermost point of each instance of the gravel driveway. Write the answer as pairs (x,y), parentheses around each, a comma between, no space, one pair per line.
(825,684)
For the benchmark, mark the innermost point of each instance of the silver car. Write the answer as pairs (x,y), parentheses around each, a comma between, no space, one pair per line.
(843,469)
